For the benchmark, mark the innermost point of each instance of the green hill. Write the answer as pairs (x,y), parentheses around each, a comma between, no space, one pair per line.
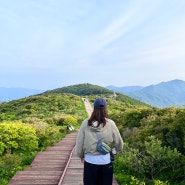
(81,90)
(42,107)
(65,100)
(87,89)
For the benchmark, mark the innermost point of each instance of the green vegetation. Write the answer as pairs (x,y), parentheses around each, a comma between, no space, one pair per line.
(17,137)
(42,106)
(154,146)
(96,91)
(81,90)
(29,125)
(154,152)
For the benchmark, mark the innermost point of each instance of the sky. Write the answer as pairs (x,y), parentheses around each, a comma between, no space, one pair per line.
(48,44)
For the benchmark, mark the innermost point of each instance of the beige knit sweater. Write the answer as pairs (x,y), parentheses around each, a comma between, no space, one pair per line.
(86,141)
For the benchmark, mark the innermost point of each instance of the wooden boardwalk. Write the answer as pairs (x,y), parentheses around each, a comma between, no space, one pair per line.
(58,165)
(48,167)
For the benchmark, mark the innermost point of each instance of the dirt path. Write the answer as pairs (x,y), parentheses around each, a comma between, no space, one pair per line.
(88,106)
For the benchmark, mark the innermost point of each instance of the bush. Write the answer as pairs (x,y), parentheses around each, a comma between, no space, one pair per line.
(10,161)
(9,164)
(150,163)
(65,120)
(17,137)
(46,134)
(27,158)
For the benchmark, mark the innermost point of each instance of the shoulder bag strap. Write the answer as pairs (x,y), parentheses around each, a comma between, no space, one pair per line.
(98,136)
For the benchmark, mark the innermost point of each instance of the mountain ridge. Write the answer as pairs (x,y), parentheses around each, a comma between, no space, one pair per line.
(163,94)
(87,89)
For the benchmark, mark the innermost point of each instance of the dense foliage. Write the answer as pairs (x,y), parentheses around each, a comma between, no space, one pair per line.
(154,138)
(31,124)
(154,146)
(17,137)
(42,106)
(82,90)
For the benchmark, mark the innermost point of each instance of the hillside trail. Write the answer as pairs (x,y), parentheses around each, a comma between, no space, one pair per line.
(57,165)
(88,106)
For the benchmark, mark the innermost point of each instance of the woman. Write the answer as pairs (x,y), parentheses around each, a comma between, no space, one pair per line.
(98,169)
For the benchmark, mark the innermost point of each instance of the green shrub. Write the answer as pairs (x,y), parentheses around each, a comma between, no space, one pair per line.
(158,182)
(27,158)
(10,161)
(70,120)
(65,120)
(150,163)
(17,137)
(46,134)
(3,181)
(9,165)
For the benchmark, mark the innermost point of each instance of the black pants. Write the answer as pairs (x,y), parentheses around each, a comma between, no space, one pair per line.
(98,174)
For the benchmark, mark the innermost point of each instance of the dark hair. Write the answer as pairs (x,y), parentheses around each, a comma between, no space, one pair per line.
(98,115)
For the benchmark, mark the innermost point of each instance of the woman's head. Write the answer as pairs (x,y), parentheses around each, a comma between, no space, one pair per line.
(100,103)
(99,113)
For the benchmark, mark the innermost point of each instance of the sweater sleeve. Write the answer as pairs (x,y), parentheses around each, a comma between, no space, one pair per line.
(117,139)
(80,142)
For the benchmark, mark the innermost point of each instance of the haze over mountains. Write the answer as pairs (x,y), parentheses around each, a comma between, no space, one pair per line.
(8,94)
(164,94)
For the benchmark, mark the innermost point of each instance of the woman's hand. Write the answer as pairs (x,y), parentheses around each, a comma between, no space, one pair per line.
(82,160)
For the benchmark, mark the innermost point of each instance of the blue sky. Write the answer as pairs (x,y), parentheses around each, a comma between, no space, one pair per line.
(47,44)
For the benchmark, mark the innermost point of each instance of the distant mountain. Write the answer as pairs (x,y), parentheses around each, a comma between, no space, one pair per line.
(164,94)
(126,89)
(8,94)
